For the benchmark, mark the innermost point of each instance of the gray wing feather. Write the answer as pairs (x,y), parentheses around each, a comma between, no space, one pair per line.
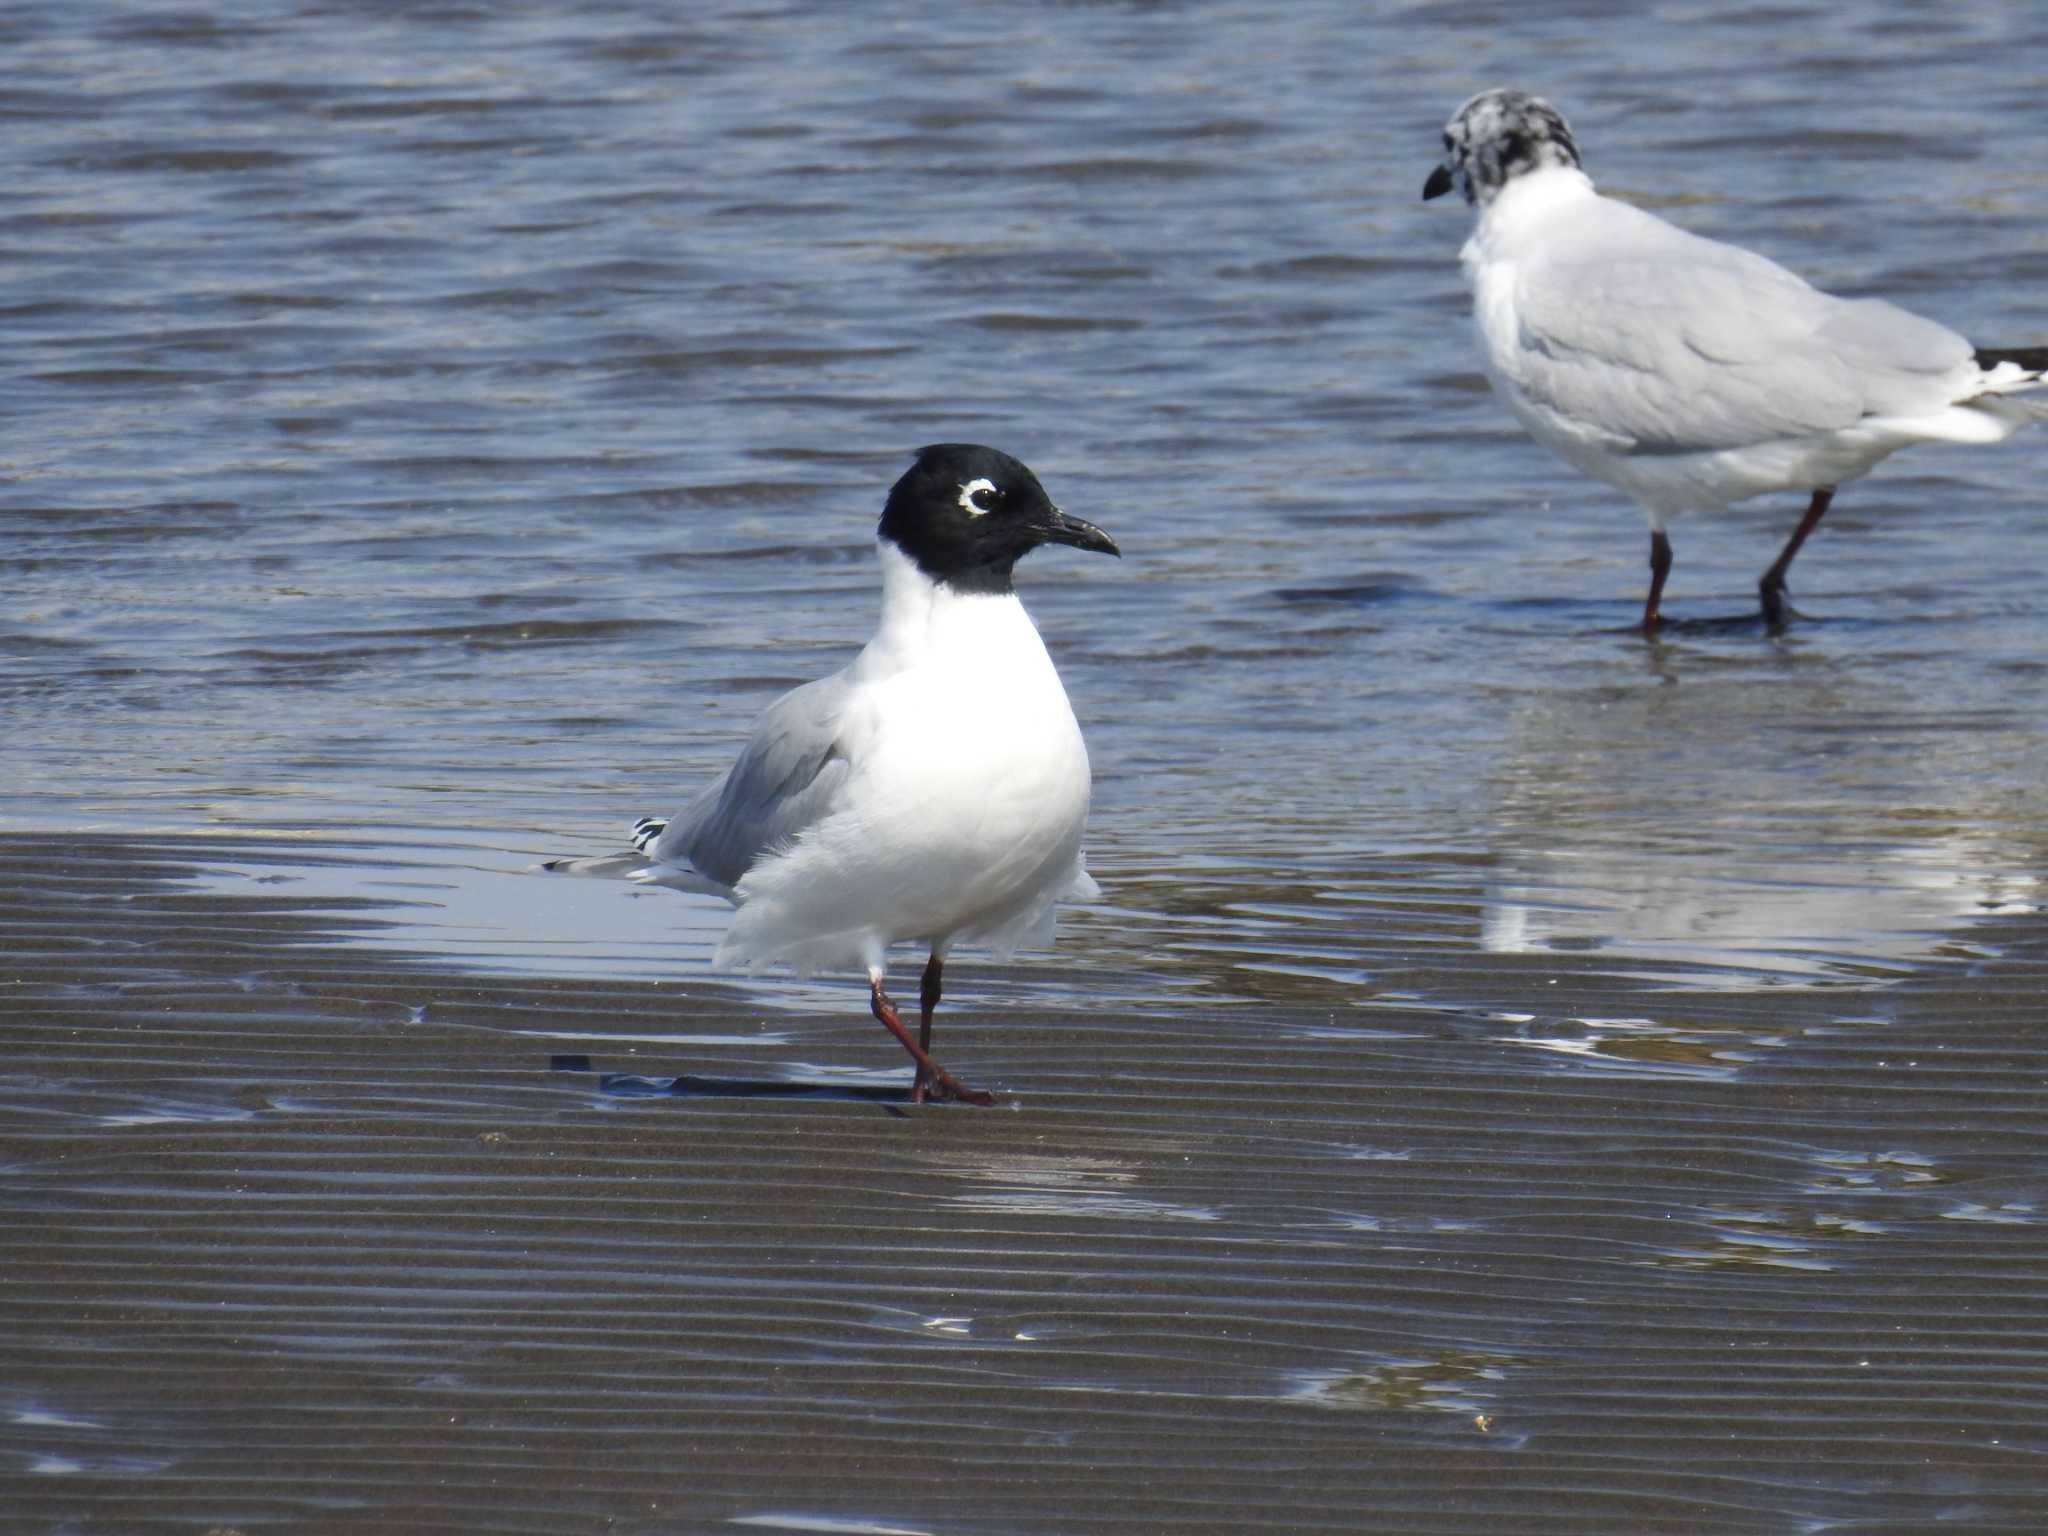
(1691,345)
(787,779)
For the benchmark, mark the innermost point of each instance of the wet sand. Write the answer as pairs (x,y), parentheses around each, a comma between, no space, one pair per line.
(303,1238)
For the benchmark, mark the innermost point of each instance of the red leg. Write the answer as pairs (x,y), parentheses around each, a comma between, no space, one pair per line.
(1771,586)
(930,1071)
(1660,567)
(927,1000)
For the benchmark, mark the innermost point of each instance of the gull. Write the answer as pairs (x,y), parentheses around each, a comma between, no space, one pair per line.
(935,789)
(1686,372)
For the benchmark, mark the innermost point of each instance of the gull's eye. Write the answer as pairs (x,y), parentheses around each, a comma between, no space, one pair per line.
(978,498)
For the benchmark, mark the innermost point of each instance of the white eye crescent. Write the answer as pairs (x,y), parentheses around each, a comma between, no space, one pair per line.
(972,489)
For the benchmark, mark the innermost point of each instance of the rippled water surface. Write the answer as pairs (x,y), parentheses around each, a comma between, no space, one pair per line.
(1519,1077)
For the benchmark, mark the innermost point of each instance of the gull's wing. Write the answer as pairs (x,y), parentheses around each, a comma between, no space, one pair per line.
(1649,340)
(787,779)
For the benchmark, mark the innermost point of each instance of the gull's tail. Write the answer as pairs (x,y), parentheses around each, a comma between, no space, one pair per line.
(641,866)
(677,873)
(2011,371)
(2028,360)
(612,865)
(608,866)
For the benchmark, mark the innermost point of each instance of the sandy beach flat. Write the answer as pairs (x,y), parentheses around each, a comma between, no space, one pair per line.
(301,1235)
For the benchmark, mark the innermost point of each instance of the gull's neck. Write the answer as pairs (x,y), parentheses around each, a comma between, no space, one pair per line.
(1525,202)
(1536,193)
(918,612)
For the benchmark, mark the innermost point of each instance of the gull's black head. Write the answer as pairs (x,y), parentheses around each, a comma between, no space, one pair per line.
(1495,137)
(967,514)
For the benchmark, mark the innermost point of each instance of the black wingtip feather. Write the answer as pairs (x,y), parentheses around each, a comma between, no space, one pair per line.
(2033,359)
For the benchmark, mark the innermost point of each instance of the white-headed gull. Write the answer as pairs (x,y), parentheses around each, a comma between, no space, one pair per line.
(935,789)
(1689,373)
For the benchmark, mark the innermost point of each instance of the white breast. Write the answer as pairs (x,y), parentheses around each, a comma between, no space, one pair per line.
(963,814)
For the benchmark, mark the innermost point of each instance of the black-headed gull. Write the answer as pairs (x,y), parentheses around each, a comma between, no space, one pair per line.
(934,790)
(1689,373)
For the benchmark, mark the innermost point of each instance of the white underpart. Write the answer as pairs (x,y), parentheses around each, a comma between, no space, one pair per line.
(969,491)
(1690,373)
(955,816)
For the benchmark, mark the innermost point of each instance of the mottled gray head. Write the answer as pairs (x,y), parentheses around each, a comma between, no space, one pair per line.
(1495,137)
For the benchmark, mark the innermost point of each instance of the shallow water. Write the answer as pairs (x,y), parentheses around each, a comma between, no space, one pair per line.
(436,433)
